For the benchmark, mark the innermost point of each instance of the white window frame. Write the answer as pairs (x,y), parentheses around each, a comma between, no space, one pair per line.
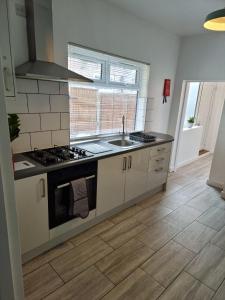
(105,82)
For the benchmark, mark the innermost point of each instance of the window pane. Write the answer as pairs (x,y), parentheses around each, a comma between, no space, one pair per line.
(122,74)
(192,98)
(90,69)
(83,112)
(100,111)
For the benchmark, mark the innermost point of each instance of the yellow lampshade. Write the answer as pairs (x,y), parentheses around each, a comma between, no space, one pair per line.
(215,20)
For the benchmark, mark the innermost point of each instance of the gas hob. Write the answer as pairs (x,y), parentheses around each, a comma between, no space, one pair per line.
(56,155)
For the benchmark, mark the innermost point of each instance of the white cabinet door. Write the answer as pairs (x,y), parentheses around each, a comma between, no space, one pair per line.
(136,175)
(32,209)
(6,8)
(111,178)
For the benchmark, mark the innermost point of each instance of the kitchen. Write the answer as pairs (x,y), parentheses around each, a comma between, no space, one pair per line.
(120,170)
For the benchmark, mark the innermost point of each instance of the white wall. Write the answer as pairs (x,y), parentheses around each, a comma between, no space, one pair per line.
(201,58)
(217,172)
(99,25)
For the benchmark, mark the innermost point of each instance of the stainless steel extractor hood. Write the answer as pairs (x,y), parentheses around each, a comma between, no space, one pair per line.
(40,46)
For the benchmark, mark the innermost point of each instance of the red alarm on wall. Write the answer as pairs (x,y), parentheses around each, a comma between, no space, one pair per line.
(166,90)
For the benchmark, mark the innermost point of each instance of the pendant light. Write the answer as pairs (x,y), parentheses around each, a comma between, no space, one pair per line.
(215,20)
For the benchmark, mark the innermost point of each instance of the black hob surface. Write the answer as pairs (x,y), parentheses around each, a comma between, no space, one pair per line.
(56,155)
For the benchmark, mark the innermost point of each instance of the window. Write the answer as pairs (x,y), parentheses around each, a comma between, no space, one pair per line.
(123,74)
(119,88)
(192,99)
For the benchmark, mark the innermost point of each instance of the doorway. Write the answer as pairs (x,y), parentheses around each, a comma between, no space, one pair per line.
(200,118)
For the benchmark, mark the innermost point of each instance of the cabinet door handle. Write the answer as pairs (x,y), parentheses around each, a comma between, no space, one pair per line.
(130,162)
(160,159)
(158,170)
(6,83)
(42,182)
(124,164)
(161,149)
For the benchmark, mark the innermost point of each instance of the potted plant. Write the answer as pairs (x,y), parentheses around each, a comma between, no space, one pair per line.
(14,128)
(191,122)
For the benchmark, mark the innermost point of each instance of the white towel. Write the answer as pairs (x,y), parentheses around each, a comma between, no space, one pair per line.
(80,207)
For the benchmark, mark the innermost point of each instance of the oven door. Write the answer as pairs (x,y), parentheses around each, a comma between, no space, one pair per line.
(61,199)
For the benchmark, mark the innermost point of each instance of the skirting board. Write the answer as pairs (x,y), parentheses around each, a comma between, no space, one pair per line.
(215,184)
(187,162)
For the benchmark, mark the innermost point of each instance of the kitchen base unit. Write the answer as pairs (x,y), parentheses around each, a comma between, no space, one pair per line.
(115,183)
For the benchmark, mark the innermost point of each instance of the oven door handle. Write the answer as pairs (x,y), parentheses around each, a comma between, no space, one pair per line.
(68,183)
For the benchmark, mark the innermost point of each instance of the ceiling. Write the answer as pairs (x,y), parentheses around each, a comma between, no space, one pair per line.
(183,17)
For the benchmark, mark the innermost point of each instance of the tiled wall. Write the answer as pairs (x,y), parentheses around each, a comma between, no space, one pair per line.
(43,109)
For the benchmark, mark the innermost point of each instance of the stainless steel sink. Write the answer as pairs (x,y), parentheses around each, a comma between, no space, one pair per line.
(122,143)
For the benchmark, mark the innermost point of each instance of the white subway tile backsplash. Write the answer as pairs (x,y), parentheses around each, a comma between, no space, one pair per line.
(64,88)
(48,87)
(61,138)
(41,140)
(59,103)
(65,120)
(26,86)
(22,143)
(43,109)
(50,121)
(29,122)
(19,105)
(38,103)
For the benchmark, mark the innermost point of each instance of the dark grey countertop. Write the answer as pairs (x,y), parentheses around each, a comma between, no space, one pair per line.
(114,150)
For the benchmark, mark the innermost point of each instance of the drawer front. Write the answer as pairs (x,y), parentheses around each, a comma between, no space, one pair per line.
(159,161)
(160,150)
(157,177)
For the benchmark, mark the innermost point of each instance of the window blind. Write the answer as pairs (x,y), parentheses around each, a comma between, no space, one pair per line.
(122,74)
(119,88)
(90,69)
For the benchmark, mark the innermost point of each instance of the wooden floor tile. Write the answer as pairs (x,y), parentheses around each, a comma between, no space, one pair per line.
(155,199)
(185,287)
(220,294)
(46,257)
(165,265)
(195,236)
(203,201)
(171,188)
(125,214)
(157,235)
(219,239)
(183,216)
(137,285)
(90,233)
(219,202)
(194,189)
(120,263)
(41,282)
(80,258)
(89,285)
(122,232)
(214,217)
(209,266)
(152,214)
(175,200)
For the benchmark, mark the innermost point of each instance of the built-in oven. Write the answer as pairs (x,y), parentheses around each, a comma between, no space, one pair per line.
(60,192)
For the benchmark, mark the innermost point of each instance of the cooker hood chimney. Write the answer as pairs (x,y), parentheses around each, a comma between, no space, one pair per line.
(40,46)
